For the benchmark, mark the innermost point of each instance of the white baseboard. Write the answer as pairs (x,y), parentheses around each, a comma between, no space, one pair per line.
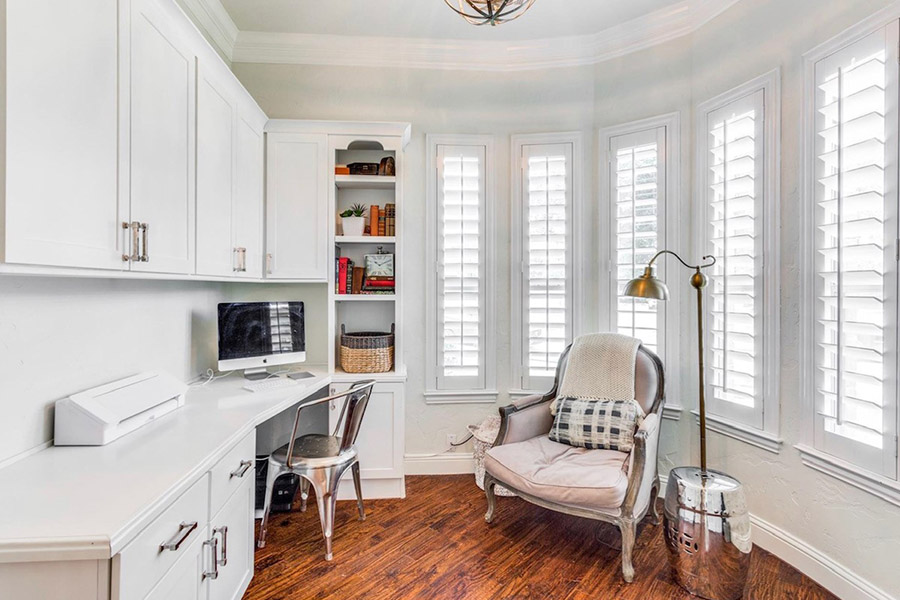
(813,563)
(449,463)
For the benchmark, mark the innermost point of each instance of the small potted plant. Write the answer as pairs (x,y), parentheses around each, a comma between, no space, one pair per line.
(354,220)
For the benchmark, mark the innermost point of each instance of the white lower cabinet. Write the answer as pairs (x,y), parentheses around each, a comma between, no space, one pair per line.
(186,554)
(380,442)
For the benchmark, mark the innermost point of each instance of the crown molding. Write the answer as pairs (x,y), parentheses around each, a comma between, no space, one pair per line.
(677,20)
(212,18)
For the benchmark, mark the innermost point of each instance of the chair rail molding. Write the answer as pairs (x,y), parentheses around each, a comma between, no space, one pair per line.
(657,27)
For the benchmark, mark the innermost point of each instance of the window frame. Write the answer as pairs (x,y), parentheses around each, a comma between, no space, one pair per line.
(884,484)
(435,393)
(522,383)
(673,232)
(766,437)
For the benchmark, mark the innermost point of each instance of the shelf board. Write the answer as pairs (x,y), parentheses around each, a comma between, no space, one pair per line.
(364,239)
(365,182)
(342,376)
(364,297)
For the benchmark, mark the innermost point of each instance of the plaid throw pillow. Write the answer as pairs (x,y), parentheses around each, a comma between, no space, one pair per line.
(596,424)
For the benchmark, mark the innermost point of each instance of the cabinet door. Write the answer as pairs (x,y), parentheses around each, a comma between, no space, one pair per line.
(61,198)
(380,440)
(296,207)
(185,580)
(215,162)
(235,544)
(248,192)
(162,110)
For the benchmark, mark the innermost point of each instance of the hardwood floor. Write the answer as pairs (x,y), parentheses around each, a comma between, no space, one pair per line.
(435,545)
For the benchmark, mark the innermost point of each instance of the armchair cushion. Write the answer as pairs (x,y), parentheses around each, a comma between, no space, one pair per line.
(596,424)
(540,467)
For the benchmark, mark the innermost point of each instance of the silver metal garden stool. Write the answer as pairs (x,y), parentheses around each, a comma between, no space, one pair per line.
(321,460)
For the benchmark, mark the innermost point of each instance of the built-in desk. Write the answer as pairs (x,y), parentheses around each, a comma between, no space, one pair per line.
(73,519)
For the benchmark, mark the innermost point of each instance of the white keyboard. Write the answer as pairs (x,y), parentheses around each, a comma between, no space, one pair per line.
(265,385)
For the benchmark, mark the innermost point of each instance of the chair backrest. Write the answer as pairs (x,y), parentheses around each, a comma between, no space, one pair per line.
(354,409)
(649,378)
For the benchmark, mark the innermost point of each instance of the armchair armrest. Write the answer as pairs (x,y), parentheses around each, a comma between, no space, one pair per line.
(642,472)
(524,419)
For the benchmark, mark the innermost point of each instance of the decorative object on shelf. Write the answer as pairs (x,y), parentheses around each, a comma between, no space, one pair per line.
(341,170)
(707,526)
(353,220)
(493,12)
(379,277)
(363,168)
(367,351)
(386,167)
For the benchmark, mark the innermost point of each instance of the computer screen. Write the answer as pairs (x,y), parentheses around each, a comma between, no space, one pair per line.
(256,334)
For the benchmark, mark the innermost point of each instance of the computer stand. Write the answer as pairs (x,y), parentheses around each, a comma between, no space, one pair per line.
(256,374)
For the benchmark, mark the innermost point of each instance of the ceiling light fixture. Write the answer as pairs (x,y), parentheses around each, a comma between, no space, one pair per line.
(494,12)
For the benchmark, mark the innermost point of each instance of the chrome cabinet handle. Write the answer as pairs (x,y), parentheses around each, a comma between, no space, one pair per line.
(241,470)
(241,254)
(135,241)
(184,530)
(269,263)
(224,531)
(213,544)
(145,254)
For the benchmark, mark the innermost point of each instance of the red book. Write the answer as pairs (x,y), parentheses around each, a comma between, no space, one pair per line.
(380,284)
(342,275)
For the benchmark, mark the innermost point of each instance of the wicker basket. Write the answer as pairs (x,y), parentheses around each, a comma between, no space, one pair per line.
(367,351)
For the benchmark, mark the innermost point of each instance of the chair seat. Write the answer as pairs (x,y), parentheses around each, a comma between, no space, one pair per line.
(315,449)
(578,477)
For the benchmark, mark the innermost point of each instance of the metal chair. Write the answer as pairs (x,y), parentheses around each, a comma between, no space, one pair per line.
(321,460)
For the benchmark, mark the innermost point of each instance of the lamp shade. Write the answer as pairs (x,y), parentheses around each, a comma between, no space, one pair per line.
(647,286)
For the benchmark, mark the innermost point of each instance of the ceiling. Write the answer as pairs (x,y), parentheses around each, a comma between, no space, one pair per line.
(433,19)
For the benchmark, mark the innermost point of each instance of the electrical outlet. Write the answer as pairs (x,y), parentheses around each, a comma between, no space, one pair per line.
(451,439)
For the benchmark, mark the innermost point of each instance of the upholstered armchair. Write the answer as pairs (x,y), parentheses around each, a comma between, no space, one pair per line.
(605,485)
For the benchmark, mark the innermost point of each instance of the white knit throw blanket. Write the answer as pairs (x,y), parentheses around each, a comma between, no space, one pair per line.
(601,366)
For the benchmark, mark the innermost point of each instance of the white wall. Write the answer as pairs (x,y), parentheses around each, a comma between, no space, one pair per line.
(59,336)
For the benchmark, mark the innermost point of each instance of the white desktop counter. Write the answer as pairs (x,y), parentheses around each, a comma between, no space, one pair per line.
(82,506)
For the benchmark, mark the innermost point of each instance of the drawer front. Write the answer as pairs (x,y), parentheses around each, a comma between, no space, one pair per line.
(144,561)
(232,470)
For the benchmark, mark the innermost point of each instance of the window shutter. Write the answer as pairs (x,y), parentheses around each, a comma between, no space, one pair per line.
(638,181)
(855,151)
(460,234)
(547,259)
(735,176)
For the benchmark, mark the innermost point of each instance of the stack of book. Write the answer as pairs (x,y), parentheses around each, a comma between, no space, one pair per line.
(389,215)
(347,278)
(381,220)
(378,285)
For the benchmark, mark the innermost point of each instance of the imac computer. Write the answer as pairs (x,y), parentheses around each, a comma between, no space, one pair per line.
(257,335)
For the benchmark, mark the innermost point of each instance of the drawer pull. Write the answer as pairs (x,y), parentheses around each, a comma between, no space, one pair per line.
(184,530)
(213,544)
(224,531)
(241,470)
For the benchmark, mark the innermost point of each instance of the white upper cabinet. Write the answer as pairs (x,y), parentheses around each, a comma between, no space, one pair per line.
(215,174)
(248,189)
(60,197)
(296,206)
(161,113)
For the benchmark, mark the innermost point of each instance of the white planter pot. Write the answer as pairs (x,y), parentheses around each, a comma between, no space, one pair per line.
(353,225)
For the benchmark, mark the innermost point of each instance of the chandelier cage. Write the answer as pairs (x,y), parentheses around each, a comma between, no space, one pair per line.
(493,12)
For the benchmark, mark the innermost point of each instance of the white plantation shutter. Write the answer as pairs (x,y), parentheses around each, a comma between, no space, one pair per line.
(735,187)
(638,182)
(855,151)
(460,268)
(547,259)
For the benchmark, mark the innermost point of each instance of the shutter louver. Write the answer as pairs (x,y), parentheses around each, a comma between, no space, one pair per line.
(547,288)
(460,281)
(855,270)
(735,187)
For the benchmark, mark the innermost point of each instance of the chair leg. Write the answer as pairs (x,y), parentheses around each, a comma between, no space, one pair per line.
(357,485)
(324,483)
(304,493)
(489,483)
(654,496)
(628,529)
(273,471)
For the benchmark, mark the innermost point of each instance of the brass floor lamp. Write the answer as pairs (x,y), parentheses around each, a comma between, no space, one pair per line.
(707,525)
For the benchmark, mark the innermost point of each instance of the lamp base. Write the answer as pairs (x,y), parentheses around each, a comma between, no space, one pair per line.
(707,529)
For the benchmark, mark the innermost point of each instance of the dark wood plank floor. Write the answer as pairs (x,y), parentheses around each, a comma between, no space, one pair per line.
(435,545)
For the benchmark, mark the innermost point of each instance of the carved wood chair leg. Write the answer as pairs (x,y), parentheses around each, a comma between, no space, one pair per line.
(654,508)
(489,483)
(628,529)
